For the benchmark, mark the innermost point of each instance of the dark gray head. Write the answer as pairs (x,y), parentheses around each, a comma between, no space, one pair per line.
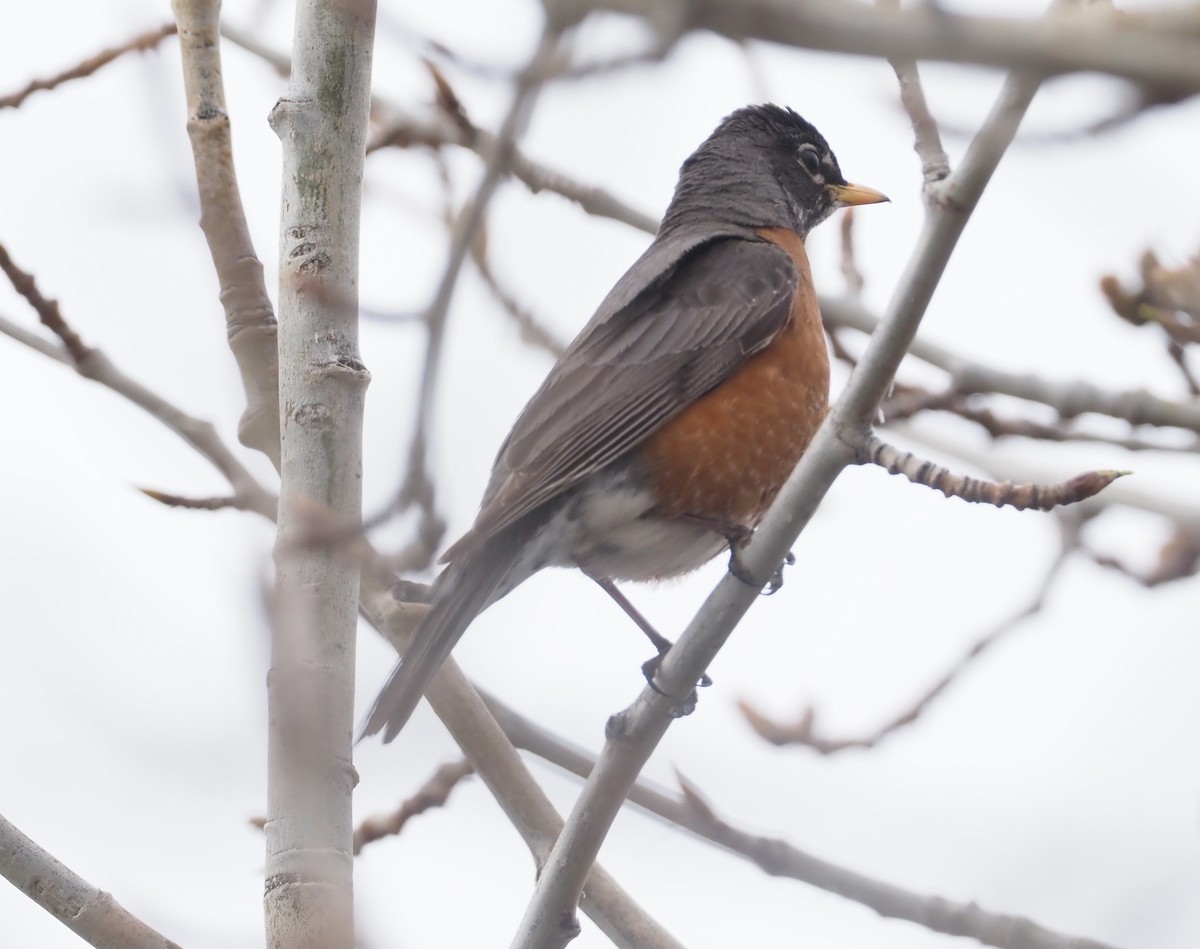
(764,166)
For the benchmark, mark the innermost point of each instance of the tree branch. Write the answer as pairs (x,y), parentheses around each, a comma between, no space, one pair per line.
(779,858)
(139,44)
(91,914)
(92,363)
(1039,497)
(249,316)
(1157,48)
(321,122)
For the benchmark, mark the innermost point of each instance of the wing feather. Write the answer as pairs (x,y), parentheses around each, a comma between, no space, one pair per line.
(634,369)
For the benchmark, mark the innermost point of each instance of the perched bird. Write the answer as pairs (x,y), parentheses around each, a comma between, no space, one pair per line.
(668,426)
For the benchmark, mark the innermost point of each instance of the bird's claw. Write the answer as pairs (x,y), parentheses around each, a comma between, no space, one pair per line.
(650,670)
(738,569)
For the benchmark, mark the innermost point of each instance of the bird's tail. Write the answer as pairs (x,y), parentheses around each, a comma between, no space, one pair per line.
(464,589)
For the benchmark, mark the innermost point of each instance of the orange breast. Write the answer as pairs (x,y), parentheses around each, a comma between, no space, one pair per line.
(726,456)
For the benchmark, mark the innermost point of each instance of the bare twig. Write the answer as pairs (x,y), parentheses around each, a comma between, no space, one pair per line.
(221,503)
(935,163)
(803,731)
(91,914)
(93,364)
(1069,398)
(402,129)
(1178,559)
(779,858)
(433,793)
(908,401)
(465,230)
(1038,497)
(850,272)
(47,310)
(139,44)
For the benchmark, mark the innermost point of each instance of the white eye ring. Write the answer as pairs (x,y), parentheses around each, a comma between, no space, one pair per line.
(811,161)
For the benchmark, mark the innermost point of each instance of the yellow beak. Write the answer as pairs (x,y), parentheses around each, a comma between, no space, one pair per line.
(849,195)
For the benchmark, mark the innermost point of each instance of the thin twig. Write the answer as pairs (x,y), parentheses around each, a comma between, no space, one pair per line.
(433,793)
(466,227)
(400,128)
(1070,398)
(935,163)
(92,363)
(779,858)
(804,732)
(1023,497)
(139,44)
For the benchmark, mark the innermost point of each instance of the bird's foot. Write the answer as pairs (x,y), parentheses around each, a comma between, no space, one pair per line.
(739,570)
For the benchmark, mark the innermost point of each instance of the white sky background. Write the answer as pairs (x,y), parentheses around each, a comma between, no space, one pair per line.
(1059,779)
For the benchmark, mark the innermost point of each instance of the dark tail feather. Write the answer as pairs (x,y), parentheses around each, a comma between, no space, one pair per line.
(461,593)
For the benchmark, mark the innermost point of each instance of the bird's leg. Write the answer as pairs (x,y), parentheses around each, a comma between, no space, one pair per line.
(738,535)
(659,641)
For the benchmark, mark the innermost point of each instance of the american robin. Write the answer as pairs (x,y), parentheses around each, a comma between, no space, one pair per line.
(667,427)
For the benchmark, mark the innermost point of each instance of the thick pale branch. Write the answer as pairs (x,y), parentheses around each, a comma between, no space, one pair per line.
(1160,50)
(321,122)
(91,914)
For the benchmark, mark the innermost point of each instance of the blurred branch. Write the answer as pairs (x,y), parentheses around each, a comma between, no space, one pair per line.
(139,44)
(464,232)
(1069,399)
(400,128)
(803,731)
(908,401)
(1160,49)
(91,914)
(1178,559)
(93,364)
(433,793)
(779,858)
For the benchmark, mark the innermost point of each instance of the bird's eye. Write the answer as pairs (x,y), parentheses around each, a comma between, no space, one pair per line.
(811,161)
